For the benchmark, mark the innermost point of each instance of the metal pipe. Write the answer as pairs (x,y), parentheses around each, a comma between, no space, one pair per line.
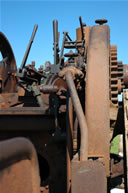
(55,37)
(69,136)
(80,116)
(48,89)
(75,134)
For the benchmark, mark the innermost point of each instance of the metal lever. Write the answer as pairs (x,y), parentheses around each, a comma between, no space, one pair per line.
(28,48)
(81,25)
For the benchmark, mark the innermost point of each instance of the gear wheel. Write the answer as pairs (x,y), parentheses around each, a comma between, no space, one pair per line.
(116,75)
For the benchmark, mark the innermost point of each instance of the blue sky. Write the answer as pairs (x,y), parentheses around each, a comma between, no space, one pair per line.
(17,20)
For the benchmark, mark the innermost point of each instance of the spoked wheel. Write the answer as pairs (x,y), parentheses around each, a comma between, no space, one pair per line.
(7,65)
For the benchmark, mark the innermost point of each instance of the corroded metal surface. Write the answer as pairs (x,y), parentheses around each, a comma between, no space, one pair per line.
(8,66)
(97,94)
(67,110)
(117,75)
(117,169)
(88,177)
(69,142)
(80,116)
(19,170)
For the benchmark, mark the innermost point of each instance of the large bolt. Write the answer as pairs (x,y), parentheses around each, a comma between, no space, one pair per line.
(101,21)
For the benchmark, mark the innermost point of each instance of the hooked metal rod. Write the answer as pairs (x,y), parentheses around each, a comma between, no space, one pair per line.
(80,116)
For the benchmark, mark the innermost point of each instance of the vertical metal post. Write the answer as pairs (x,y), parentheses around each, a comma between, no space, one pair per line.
(55,39)
(62,48)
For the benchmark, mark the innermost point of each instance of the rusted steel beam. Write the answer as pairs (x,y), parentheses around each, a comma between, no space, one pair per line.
(26,123)
(26,111)
(97,94)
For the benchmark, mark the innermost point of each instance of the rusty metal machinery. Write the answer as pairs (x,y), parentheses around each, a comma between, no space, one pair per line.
(69,111)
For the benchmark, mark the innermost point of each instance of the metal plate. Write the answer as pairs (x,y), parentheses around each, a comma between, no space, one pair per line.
(88,177)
